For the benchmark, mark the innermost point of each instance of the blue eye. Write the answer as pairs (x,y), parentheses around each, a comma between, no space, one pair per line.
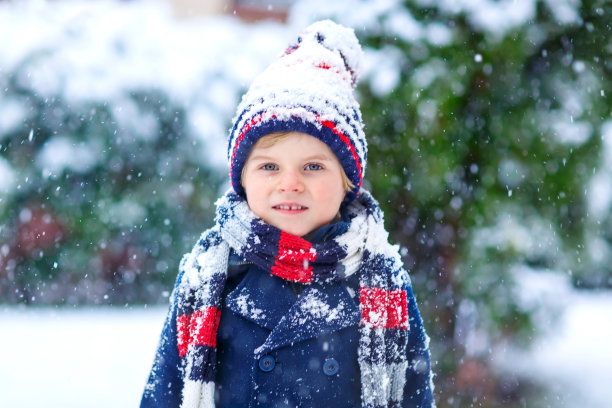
(313,166)
(268,166)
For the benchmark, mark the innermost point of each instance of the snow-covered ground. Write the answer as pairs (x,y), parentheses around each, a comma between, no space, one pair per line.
(76,357)
(573,359)
(581,352)
(101,357)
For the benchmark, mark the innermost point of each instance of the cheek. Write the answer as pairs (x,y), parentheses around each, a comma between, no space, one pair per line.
(249,183)
(256,198)
(332,192)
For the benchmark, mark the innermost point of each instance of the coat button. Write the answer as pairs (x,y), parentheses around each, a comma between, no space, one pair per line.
(266,363)
(330,366)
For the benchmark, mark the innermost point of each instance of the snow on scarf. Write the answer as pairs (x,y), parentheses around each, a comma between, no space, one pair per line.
(362,249)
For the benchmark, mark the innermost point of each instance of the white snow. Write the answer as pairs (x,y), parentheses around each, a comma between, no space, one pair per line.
(600,188)
(429,72)
(247,307)
(105,50)
(61,152)
(574,357)
(75,358)
(11,116)
(315,305)
(382,69)
(521,231)
(404,26)
(565,11)
(125,212)
(101,357)
(573,133)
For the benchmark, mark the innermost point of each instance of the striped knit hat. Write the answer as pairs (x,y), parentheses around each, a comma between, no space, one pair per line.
(310,90)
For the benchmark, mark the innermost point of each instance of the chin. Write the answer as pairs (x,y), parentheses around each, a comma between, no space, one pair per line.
(298,232)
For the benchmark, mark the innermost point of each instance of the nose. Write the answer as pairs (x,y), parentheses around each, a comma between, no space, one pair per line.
(290,180)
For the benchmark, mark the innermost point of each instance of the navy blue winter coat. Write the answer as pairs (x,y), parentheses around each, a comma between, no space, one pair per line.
(309,364)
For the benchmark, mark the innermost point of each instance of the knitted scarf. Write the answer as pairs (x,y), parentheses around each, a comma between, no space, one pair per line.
(362,249)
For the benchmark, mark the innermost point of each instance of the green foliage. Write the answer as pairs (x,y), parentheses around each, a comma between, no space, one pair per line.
(470,158)
(111,226)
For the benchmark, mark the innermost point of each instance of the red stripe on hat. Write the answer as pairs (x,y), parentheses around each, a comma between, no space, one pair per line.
(293,259)
(344,77)
(382,308)
(247,126)
(197,329)
(332,126)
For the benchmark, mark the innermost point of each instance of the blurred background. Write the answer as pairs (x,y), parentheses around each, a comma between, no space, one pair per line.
(490,132)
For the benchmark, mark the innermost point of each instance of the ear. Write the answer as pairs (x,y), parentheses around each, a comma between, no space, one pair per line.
(242,177)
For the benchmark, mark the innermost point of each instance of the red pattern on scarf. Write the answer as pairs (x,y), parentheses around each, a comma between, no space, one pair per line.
(197,329)
(293,259)
(382,308)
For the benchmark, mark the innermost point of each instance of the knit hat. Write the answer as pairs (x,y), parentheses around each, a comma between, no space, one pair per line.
(309,89)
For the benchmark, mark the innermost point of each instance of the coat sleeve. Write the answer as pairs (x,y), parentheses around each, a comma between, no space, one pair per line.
(418,392)
(165,384)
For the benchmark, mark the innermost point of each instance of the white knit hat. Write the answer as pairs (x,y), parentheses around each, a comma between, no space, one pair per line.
(310,90)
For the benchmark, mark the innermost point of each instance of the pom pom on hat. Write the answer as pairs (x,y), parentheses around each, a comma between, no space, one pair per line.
(310,90)
(335,37)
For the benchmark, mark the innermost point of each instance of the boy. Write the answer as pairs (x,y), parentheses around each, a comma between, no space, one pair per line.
(295,298)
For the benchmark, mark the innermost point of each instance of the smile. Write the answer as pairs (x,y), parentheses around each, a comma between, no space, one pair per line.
(292,207)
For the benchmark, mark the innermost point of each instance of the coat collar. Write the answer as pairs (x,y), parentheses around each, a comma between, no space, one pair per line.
(268,301)
(320,309)
(261,298)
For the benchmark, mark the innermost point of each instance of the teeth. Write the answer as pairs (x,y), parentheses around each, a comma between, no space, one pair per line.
(290,207)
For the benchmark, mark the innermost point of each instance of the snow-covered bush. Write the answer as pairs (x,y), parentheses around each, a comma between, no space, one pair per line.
(485,119)
(113,122)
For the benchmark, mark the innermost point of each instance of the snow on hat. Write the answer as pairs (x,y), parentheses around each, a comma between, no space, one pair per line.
(310,90)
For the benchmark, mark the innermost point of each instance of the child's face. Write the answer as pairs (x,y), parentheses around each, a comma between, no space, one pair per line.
(295,184)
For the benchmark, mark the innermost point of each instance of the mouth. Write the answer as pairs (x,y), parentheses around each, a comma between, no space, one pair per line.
(290,208)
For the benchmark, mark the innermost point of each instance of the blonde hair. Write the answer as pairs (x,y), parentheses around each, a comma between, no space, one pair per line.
(273,138)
